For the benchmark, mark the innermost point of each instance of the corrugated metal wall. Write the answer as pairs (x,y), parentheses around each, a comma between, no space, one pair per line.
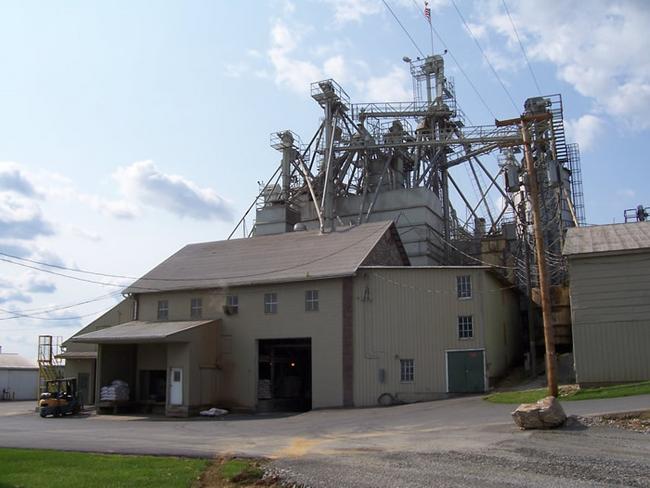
(412,313)
(610,308)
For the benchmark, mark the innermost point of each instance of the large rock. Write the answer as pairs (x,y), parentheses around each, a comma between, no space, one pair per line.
(545,414)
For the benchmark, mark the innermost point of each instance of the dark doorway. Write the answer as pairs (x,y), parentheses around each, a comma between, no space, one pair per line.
(284,375)
(153,386)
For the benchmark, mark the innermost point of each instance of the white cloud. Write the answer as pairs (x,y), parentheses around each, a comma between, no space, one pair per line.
(14,179)
(21,218)
(585,130)
(119,209)
(144,183)
(391,87)
(354,10)
(602,51)
(290,71)
(346,11)
(626,193)
(334,67)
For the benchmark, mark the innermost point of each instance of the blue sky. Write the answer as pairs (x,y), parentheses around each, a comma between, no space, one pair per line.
(130,128)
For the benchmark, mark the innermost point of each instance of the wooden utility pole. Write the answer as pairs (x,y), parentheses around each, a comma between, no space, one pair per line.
(540,248)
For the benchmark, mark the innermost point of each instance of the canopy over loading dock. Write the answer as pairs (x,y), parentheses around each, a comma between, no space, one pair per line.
(169,366)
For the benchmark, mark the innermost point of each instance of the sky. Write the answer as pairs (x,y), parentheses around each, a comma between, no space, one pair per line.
(131,128)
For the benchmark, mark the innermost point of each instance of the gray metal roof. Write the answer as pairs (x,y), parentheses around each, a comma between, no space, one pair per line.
(15,361)
(291,256)
(139,331)
(607,238)
(78,355)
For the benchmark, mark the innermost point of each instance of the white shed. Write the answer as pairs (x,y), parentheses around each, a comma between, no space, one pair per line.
(18,378)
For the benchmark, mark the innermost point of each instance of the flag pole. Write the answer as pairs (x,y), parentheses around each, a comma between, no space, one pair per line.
(427,16)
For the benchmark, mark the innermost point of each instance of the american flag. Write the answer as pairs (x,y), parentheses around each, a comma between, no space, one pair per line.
(427,12)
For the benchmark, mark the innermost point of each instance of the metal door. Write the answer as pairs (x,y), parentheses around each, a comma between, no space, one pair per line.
(176,387)
(465,371)
(83,386)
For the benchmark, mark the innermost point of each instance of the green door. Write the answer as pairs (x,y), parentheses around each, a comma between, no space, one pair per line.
(465,371)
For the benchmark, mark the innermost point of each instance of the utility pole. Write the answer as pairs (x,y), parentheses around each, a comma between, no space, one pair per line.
(540,248)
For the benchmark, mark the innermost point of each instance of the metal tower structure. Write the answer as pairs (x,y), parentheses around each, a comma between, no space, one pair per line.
(409,162)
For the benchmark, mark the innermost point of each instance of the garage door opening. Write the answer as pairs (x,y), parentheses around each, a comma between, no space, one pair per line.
(284,375)
(466,371)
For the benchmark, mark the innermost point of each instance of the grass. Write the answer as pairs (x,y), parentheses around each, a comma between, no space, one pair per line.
(241,471)
(27,468)
(570,394)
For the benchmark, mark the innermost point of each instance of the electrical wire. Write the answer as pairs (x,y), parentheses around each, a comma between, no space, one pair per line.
(403,28)
(478,44)
(216,278)
(45,310)
(521,45)
(35,317)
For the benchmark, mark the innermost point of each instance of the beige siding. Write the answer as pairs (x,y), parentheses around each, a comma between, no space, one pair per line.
(503,326)
(610,307)
(75,366)
(237,343)
(413,314)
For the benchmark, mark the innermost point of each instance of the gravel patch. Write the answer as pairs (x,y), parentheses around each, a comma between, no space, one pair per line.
(576,456)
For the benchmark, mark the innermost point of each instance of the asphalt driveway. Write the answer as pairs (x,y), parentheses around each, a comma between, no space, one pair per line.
(459,440)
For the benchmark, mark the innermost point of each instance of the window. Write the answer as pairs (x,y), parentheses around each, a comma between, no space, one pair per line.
(406,370)
(196,308)
(311,301)
(464,286)
(270,303)
(163,309)
(232,304)
(465,327)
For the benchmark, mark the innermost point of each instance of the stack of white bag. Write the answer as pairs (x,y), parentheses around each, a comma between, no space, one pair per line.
(117,391)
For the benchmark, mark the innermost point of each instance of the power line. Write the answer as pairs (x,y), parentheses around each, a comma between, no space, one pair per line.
(214,278)
(33,313)
(460,68)
(530,68)
(35,317)
(404,28)
(65,268)
(478,44)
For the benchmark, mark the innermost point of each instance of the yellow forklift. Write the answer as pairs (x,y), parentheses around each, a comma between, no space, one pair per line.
(60,398)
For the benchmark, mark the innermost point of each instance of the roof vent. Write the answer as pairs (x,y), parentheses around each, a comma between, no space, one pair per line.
(299,227)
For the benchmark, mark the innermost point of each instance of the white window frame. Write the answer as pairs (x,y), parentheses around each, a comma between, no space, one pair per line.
(464,287)
(270,303)
(462,327)
(312,301)
(232,302)
(406,370)
(163,310)
(196,308)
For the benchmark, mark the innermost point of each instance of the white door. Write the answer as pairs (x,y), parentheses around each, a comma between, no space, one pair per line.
(176,387)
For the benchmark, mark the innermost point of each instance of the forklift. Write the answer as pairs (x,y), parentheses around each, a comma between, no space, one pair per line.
(60,398)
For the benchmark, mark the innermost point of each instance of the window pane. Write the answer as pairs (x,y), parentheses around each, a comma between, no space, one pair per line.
(196,308)
(232,302)
(407,368)
(311,300)
(465,327)
(270,303)
(163,310)
(464,286)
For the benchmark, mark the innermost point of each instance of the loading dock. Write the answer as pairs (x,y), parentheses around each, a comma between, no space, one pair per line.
(284,375)
(466,371)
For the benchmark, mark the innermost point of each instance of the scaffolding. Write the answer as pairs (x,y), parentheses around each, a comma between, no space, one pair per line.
(50,363)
